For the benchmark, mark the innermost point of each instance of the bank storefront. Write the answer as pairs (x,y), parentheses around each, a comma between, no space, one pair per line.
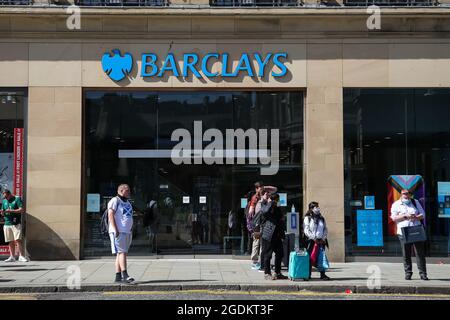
(193,123)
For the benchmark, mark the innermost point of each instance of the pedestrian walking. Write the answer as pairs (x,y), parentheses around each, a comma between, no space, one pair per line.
(12,210)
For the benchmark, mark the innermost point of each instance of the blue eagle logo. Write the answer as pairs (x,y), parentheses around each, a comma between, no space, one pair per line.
(117,66)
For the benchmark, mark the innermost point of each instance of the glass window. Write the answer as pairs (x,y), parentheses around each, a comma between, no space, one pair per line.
(11,118)
(120,124)
(396,132)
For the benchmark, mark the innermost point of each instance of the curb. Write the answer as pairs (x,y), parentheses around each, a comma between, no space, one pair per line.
(232,287)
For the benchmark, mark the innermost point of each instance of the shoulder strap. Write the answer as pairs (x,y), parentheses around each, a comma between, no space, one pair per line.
(117,203)
(414,204)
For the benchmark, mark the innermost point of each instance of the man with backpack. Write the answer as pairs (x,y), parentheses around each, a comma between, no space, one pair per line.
(250,212)
(262,207)
(120,224)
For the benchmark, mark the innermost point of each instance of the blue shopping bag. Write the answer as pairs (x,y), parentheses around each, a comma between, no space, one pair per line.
(322,260)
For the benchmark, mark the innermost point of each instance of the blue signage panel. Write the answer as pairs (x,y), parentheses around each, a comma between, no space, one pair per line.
(293,221)
(444,199)
(369,226)
(369,202)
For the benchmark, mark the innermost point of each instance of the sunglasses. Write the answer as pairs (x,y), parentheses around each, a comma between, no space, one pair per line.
(406,193)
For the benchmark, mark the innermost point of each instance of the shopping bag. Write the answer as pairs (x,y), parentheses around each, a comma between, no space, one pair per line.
(314,254)
(322,260)
(414,234)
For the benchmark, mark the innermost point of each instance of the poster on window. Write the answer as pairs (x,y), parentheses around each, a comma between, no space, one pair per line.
(93,202)
(369,224)
(6,171)
(18,162)
(369,202)
(283,199)
(395,184)
(444,199)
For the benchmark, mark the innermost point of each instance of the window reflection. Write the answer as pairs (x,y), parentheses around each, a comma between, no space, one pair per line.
(395,132)
(145,121)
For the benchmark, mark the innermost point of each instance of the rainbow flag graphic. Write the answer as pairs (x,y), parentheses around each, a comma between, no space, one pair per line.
(414,183)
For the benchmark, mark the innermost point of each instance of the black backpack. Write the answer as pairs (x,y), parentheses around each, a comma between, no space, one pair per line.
(104,224)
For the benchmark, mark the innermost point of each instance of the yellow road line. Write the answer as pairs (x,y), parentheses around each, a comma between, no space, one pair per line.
(300,293)
(17,296)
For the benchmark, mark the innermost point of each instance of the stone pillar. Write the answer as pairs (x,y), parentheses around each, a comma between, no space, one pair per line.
(324,164)
(53,175)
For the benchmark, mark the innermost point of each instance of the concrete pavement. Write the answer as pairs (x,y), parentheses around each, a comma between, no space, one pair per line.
(216,274)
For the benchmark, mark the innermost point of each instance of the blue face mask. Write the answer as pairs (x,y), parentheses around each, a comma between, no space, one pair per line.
(406,201)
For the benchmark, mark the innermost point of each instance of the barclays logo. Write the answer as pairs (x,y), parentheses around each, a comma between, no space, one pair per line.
(117,67)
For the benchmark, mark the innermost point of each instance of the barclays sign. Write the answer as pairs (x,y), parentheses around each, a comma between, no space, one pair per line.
(118,66)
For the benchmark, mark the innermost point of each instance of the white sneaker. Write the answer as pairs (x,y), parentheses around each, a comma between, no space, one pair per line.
(11,259)
(23,259)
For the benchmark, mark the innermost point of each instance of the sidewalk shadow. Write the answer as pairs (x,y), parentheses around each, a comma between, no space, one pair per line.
(6,280)
(19,266)
(336,279)
(32,269)
(432,279)
(168,281)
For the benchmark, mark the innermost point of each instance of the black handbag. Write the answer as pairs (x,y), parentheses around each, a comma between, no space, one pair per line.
(267,230)
(414,234)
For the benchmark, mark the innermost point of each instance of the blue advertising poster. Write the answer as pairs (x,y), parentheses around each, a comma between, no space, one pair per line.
(369,226)
(444,199)
(369,202)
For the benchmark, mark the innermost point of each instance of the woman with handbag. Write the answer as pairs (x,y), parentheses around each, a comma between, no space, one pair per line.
(272,235)
(407,212)
(315,230)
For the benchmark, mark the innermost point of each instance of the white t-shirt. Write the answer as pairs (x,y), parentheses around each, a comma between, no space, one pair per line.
(123,215)
(399,208)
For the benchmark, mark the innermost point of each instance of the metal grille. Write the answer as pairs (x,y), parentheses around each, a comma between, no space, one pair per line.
(392,3)
(255,3)
(122,3)
(16,2)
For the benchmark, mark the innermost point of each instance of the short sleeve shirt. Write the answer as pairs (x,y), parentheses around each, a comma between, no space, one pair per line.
(12,219)
(399,208)
(123,215)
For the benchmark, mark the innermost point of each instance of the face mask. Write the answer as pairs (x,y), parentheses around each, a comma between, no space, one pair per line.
(406,201)
(316,210)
